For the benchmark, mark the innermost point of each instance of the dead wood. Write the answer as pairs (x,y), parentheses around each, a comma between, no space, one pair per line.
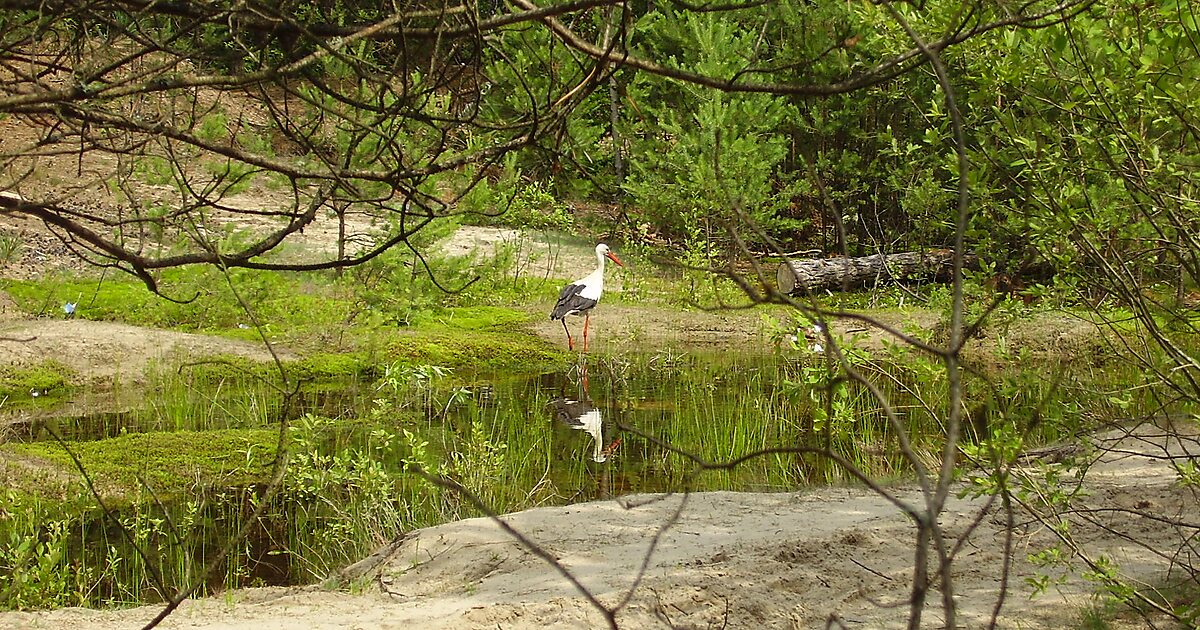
(803,276)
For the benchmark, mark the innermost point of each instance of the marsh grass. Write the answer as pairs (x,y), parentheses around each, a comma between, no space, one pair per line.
(11,246)
(188,470)
(719,408)
(286,301)
(73,554)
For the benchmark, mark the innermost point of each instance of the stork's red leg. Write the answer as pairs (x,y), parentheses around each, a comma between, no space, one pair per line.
(570,342)
(586,318)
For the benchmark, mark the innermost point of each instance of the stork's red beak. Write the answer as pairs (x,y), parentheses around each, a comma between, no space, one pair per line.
(613,257)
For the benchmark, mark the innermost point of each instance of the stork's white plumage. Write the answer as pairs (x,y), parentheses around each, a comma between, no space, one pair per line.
(592,423)
(581,296)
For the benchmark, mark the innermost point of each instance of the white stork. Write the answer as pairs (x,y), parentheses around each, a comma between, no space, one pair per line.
(579,297)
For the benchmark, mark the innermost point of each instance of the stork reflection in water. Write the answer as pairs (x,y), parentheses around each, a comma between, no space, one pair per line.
(581,415)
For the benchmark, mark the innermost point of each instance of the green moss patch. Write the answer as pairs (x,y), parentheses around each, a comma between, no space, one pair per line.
(24,383)
(324,367)
(471,318)
(286,304)
(493,350)
(169,463)
(317,367)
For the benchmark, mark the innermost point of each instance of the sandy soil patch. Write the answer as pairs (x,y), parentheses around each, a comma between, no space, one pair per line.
(106,352)
(534,254)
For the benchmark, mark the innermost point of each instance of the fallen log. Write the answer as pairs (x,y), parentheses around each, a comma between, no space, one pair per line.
(803,276)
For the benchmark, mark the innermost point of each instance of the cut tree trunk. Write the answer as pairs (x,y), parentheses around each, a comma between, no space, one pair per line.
(803,276)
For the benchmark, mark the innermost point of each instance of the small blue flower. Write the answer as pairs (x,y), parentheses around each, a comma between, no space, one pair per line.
(69,308)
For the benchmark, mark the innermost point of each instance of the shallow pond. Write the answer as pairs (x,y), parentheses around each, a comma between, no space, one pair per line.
(607,426)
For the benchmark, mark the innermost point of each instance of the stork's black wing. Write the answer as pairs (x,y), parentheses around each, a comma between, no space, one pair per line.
(570,411)
(570,301)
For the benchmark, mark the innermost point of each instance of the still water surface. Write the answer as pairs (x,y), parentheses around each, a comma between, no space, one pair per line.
(607,426)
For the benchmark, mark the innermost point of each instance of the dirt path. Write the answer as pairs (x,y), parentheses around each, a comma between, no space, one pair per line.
(786,560)
(104,352)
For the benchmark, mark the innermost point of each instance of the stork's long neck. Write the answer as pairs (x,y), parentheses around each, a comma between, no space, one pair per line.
(596,278)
